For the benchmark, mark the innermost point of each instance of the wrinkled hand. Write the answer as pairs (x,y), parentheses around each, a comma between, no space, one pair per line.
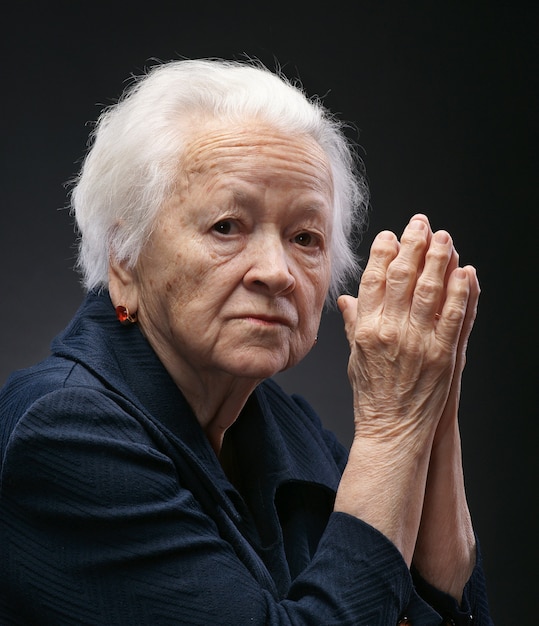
(407,331)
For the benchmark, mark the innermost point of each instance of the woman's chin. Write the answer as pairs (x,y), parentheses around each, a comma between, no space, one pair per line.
(257,364)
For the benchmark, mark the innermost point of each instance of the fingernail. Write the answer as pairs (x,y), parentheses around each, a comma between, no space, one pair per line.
(416,225)
(460,273)
(386,234)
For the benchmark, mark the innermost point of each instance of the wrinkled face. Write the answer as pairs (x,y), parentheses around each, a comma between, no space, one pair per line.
(235,274)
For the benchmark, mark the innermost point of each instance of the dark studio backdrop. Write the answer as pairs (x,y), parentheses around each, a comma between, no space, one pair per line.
(442,97)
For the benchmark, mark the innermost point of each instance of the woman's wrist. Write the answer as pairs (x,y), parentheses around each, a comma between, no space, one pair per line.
(383,484)
(445,550)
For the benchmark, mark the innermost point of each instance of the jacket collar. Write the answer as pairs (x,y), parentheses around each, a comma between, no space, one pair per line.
(271,430)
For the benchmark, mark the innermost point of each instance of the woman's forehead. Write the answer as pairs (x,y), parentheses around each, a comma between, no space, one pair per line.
(227,146)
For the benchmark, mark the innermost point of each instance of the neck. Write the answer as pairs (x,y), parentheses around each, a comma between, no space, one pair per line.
(216,397)
(217,404)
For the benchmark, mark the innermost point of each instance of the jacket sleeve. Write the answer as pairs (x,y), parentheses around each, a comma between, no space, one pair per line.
(473,609)
(97,528)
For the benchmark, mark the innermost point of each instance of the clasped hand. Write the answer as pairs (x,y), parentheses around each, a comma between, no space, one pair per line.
(408,330)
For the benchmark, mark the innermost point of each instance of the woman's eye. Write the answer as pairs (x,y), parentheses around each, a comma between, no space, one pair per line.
(305,239)
(224,227)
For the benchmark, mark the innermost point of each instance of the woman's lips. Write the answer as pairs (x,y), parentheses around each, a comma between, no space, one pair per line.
(266,320)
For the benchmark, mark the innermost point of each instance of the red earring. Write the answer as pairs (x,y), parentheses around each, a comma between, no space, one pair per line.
(124,317)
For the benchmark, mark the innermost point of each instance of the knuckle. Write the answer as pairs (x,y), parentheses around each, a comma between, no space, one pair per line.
(397,274)
(371,277)
(414,234)
(458,295)
(369,337)
(382,253)
(384,246)
(415,240)
(438,254)
(389,335)
(427,290)
(364,335)
(454,313)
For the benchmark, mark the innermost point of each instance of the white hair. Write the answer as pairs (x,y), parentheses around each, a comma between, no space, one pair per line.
(131,165)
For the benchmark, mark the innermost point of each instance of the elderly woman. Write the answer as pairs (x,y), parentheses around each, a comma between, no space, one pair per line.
(152,473)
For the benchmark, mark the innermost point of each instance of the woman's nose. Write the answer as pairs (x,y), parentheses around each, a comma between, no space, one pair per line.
(269,268)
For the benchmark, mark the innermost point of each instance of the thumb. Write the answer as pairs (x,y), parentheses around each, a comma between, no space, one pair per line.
(348,308)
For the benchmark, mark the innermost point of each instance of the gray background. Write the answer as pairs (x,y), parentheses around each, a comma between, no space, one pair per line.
(443,96)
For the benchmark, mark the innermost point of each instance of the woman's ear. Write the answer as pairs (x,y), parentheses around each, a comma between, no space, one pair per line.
(123,286)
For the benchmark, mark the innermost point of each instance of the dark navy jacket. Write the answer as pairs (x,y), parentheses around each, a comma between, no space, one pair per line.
(115,510)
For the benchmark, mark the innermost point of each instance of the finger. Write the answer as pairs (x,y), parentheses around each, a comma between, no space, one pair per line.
(469,318)
(348,308)
(429,292)
(402,273)
(423,218)
(384,249)
(471,311)
(453,264)
(455,310)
